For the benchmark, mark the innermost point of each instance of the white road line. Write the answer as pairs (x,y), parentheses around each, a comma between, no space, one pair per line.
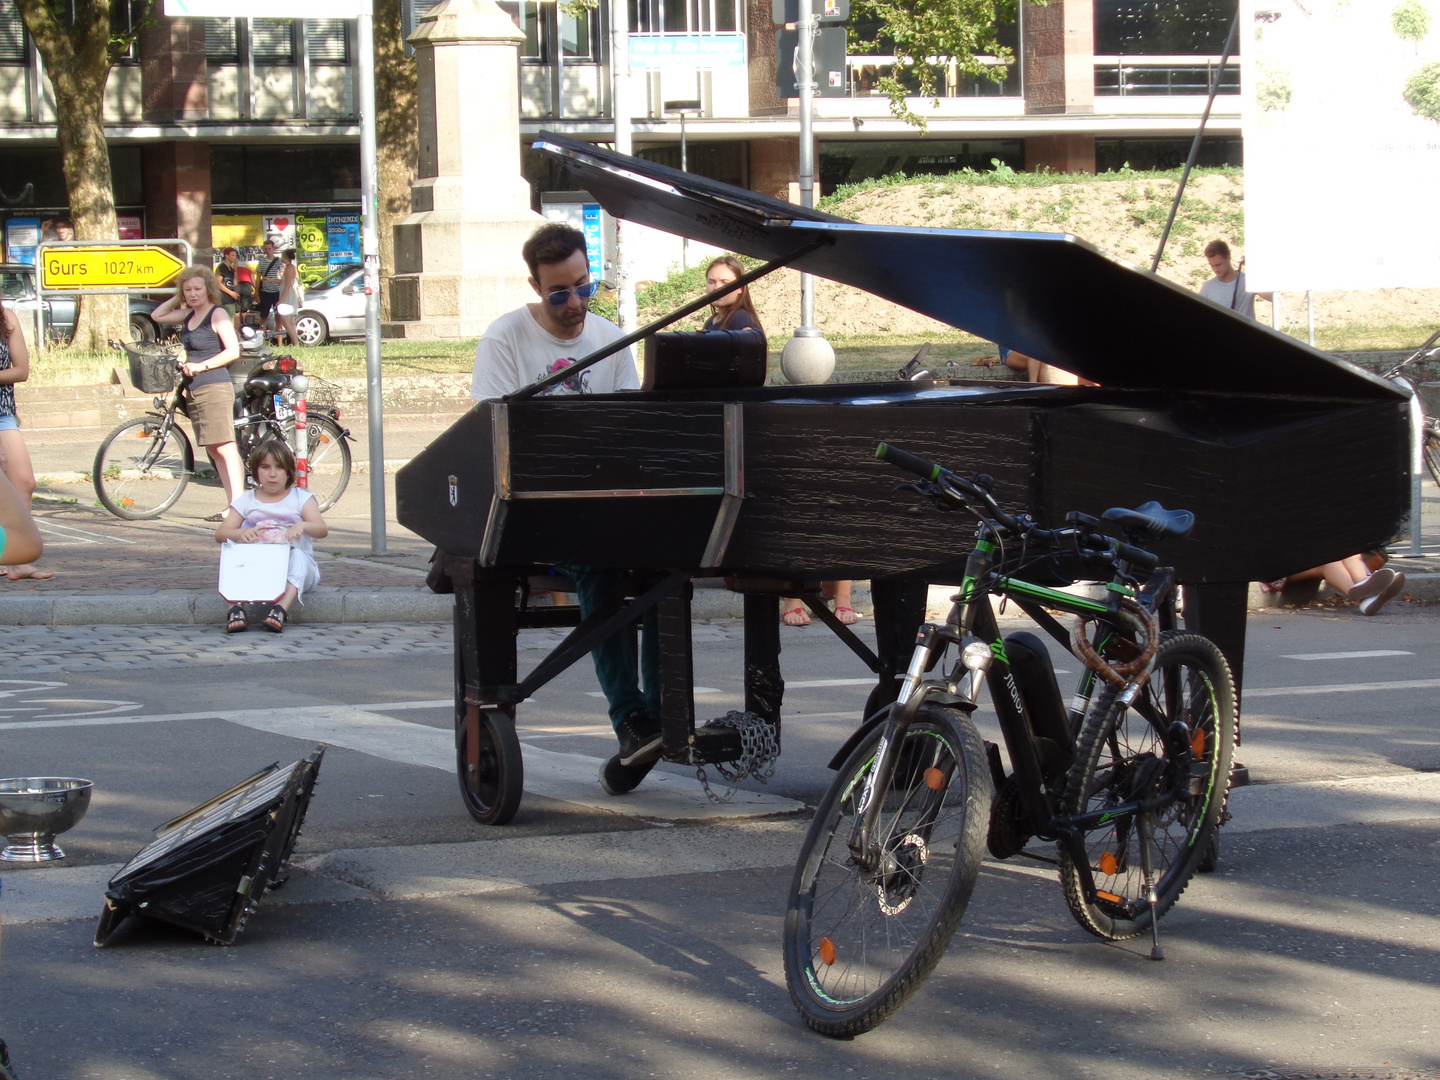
(1345,655)
(74,535)
(815,683)
(1340,688)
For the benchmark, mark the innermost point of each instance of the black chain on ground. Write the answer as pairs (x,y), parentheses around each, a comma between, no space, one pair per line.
(758,750)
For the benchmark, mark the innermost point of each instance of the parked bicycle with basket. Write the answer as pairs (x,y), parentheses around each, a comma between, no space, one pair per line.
(144,464)
(1130,782)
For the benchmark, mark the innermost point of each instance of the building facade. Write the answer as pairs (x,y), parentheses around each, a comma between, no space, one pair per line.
(223,131)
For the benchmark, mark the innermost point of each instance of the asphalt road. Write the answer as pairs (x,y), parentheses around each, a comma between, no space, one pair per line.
(639,937)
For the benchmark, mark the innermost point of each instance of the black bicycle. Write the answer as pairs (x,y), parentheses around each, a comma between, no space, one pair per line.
(1411,383)
(1130,781)
(143,466)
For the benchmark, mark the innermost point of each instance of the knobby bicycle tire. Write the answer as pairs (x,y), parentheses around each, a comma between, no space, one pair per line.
(1119,745)
(857,943)
(141,468)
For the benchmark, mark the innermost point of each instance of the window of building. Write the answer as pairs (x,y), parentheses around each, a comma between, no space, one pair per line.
(327,41)
(727,162)
(247,176)
(1215,150)
(222,41)
(12,33)
(272,41)
(1162,27)
(852,162)
(686,16)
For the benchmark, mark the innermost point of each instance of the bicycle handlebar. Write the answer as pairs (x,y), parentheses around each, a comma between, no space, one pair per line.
(950,482)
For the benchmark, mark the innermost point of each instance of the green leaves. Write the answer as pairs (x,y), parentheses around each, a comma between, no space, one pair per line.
(1422,92)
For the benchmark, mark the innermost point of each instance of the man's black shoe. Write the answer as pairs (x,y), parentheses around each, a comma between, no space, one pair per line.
(617,779)
(639,735)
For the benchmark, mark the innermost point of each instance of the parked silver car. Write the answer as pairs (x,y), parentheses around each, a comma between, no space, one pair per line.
(17,289)
(334,307)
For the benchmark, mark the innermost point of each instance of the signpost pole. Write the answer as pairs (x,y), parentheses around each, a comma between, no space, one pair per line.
(370,248)
(620,106)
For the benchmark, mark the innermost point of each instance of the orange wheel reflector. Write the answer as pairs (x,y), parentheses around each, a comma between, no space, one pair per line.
(143,434)
(324,437)
(127,502)
(1109,896)
(1197,743)
(827,951)
(1109,864)
(935,779)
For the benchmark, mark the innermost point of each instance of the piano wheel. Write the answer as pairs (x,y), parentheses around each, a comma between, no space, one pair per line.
(491,772)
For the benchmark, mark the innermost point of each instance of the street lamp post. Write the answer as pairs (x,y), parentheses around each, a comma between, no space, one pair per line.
(682,108)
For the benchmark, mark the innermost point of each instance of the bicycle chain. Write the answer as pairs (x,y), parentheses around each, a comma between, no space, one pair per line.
(758,750)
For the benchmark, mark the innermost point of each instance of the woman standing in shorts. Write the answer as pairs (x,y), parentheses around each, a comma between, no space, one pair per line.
(14,458)
(210,348)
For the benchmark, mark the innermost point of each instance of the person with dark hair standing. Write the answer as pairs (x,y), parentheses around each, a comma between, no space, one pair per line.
(225,278)
(528,344)
(270,279)
(289,304)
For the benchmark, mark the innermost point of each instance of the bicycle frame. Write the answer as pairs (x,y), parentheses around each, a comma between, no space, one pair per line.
(972,627)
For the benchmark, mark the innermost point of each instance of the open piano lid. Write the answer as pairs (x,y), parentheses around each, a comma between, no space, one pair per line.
(1048,295)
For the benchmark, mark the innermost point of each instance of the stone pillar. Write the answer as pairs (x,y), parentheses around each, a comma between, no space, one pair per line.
(176,179)
(760,63)
(1071,153)
(775,169)
(1059,49)
(174,79)
(457,255)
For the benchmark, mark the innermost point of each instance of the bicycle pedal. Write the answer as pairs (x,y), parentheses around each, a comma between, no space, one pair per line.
(1117,907)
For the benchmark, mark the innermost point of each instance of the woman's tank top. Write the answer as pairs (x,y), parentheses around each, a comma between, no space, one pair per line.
(202,343)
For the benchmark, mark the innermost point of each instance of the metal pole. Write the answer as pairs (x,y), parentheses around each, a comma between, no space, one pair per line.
(370,248)
(620,106)
(684,167)
(1310,314)
(805,84)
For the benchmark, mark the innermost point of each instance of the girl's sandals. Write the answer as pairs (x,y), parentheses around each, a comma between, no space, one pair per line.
(796,616)
(275,620)
(846,615)
(235,621)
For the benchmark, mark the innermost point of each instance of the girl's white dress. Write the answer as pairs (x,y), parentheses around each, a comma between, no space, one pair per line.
(274,519)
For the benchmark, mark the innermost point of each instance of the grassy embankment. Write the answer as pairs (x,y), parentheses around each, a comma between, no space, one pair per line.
(1123,212)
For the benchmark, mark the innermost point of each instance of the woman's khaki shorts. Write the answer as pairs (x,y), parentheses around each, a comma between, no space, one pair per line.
(212,413)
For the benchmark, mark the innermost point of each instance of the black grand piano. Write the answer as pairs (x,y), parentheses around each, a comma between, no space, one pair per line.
(1289,458)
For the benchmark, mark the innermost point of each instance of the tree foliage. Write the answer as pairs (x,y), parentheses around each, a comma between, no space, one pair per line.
(1422,92)
(926,37)
(1410,21)
(79,44)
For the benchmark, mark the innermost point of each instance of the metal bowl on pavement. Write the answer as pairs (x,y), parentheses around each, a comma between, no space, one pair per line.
(36,809)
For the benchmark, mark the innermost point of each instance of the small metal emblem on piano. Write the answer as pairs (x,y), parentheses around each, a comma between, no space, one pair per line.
(454,491)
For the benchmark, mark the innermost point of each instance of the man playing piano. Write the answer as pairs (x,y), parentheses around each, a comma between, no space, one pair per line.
(528,344)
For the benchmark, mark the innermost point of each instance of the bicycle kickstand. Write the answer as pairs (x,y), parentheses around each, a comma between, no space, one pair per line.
(1147,866)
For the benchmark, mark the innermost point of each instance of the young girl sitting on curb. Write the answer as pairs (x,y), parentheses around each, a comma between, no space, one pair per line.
(275,511)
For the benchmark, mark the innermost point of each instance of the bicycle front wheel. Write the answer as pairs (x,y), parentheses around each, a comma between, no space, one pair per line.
(142,468)
(1432,455)
(1127,754)
(859,942)
(329,460)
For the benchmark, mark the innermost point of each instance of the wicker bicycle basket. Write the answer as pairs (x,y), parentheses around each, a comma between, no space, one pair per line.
(152,368)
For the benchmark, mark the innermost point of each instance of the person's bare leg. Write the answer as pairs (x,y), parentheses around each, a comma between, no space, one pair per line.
(793,612)
(21,474)
(231,469)
(843,611)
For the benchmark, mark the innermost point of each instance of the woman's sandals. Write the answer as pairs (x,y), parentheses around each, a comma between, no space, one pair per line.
(275,620)
(235,621)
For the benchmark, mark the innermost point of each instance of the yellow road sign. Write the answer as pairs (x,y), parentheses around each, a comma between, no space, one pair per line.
(107,267)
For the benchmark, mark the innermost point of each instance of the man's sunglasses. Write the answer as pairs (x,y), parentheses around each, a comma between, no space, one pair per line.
(561,297)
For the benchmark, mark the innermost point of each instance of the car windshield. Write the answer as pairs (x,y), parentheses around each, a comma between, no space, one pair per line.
(336,277)
(15,285)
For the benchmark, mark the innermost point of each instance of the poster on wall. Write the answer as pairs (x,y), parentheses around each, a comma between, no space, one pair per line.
(130,227)
(1313,224)
(245,233)
(313,246)
(22,236)
(281,229)
(344,230)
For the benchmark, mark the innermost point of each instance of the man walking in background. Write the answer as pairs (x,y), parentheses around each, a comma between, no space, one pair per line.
(1227,287)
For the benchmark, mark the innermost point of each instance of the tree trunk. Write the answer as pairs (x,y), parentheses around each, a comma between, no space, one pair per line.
(77,59)
(397,135)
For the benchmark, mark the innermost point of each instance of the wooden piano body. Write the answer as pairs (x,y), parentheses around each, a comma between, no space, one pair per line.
(1289,458)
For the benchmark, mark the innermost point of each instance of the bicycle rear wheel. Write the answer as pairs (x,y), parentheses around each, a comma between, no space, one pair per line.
(1129,753)
(142,468)
(858,943)
(329,460)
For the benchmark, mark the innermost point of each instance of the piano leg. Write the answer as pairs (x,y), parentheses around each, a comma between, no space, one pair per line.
(764,685)
(677,675)
(487,751)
